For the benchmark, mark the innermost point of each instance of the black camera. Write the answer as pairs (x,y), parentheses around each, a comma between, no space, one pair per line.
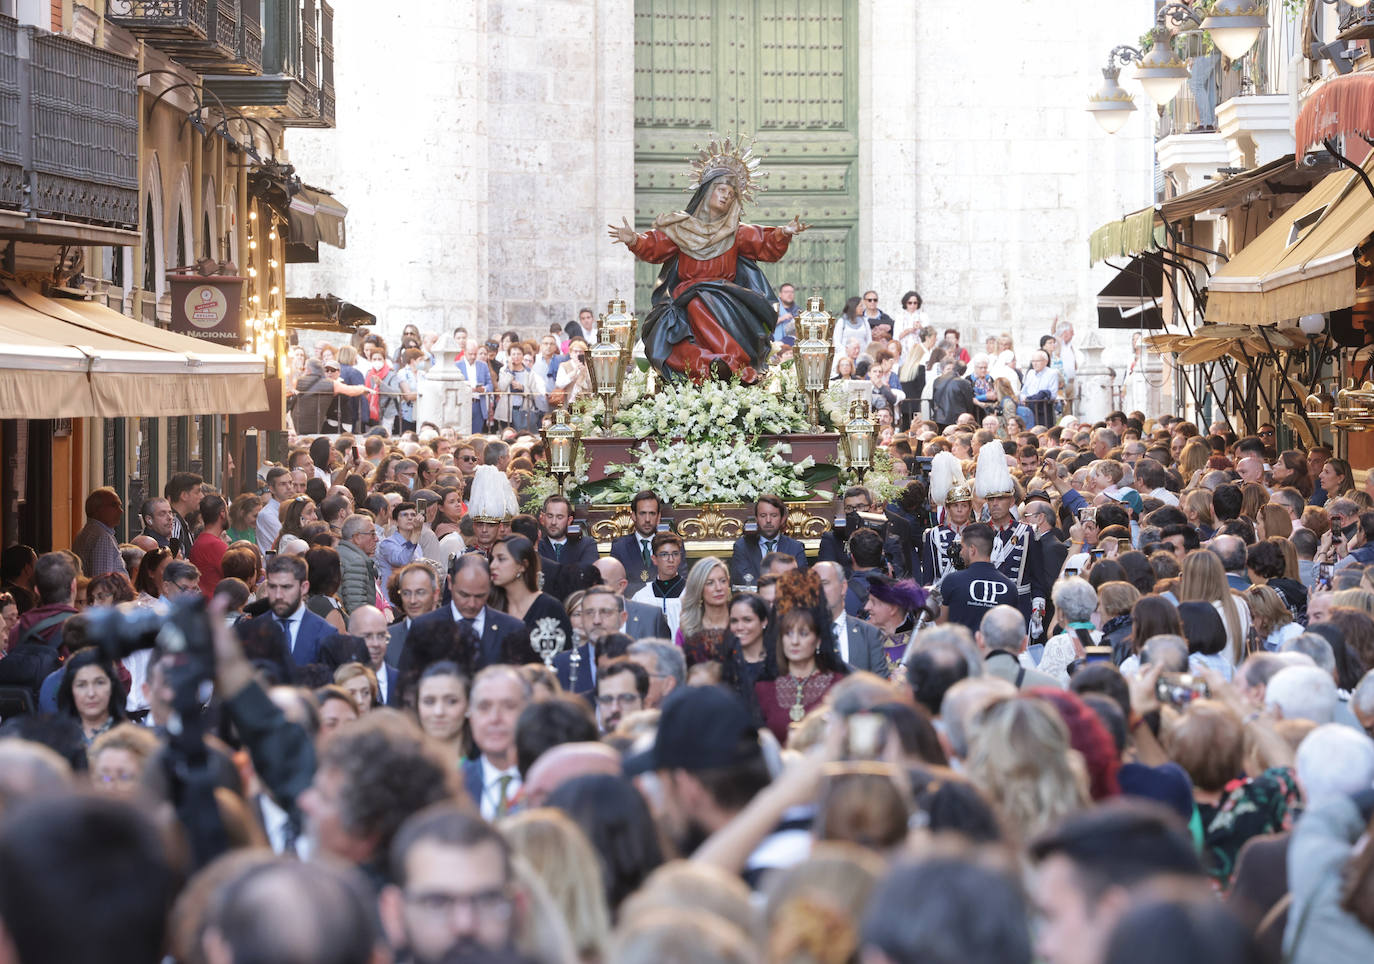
(954,552)
(182,633)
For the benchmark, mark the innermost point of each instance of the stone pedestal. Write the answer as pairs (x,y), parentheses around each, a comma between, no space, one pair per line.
(1093,380)
(446,397)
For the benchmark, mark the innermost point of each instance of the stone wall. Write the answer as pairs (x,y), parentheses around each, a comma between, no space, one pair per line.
(986,174)
(482,147)
(409,158)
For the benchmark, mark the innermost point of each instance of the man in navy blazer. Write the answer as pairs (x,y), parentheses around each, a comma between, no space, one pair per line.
(603,613)
(501,638)
(554,542)
(287,588)
(368,623)
(635,550)
(746,561)
(418,585)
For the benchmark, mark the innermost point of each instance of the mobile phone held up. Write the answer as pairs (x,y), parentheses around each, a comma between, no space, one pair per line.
(1180,689)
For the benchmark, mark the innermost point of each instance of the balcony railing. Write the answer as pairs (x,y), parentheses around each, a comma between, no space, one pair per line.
(68,129)
(1213,81)
(211,36)
(297,84)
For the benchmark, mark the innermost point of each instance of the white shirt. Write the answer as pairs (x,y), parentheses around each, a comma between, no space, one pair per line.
(842,637)
(479,622)
(671,608)
(269,524)
(293,626)
(1068,359)
(491,788)
(380,673)
(1165,496)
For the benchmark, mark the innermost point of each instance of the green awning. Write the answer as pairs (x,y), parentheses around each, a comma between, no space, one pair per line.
(1126,238)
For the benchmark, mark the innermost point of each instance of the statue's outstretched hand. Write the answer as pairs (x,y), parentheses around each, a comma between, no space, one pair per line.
(622,232)
(796,225)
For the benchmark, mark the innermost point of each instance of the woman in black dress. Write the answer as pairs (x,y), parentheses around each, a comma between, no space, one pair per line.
(515,591)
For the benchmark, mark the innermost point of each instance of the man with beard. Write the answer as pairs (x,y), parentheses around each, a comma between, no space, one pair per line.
(454,892)
(710,765)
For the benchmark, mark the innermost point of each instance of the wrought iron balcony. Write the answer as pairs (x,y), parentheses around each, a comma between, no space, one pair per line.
(296,87)
(68,130)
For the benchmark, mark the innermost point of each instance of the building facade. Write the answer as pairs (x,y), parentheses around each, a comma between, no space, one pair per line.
(931,152)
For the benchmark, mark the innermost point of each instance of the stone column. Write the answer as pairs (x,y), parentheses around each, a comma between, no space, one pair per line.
(1093,380)
(446,396)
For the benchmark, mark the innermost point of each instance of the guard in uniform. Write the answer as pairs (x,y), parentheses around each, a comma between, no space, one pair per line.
(1012,540)
(939,546)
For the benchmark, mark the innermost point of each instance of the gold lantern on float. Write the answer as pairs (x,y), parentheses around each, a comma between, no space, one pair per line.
(619,325)
(606,364)
(857,435)
(1355,408)
(560,446)
(813,363)
(816,323)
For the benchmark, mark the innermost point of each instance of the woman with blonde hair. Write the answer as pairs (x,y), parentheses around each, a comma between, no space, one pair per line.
(1252,497)
(1197,506)
(1204,580)
(1361,599)
(1021,757)
(359,682)
(1269,616)
(814,907)
(705,612)
(1271,520)
(559,853)
(698,887)
(1193,459)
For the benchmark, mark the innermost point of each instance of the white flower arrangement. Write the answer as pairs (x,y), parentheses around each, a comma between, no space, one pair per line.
(714,410)
(709,471)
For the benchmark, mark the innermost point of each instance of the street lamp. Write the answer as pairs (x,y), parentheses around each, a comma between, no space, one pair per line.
(1235,25)
(560,446)
(858,434)
(607,368)
(1111,106)
(1162,71)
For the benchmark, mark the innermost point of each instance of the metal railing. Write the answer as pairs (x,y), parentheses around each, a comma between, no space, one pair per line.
(1213,81)
(68,128)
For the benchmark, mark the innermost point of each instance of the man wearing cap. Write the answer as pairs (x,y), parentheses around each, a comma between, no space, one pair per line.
(710,765)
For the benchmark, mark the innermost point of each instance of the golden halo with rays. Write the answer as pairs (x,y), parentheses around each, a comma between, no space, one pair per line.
(733,155)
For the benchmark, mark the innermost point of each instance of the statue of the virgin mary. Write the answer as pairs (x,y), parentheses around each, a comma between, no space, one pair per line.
(712,313)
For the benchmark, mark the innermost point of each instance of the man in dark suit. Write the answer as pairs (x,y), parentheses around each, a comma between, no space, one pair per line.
(501,638)
(368,623)
(951,397)
(642,621)
(746,559)
(554,541)
(418,585)
(498,694)
(286,591)
(1048,553)
(860,644)
(635,550)
(603,613)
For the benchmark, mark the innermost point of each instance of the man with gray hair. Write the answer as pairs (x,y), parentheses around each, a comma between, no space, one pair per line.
(1334,761)
(965,700)
(1302,693)
(1231,551)
(1314,646)
(665,664)
(1362,702)
(940,657)
(1001,639)
(357,546)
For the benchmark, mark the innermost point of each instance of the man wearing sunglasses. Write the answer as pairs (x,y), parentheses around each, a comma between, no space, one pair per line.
(466,460)
(874,315)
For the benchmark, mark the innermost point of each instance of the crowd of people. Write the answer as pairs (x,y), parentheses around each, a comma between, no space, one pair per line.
(1084,694)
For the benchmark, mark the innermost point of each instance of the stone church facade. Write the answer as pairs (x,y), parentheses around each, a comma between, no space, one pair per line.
(482,148)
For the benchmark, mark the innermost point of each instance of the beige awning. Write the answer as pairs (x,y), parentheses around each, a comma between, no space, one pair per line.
(1303,263)
(1127,237)
(77,359)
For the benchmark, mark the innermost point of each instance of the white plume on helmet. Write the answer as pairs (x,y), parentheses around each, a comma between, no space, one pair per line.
(493,498)
(993,477)
(946,471)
